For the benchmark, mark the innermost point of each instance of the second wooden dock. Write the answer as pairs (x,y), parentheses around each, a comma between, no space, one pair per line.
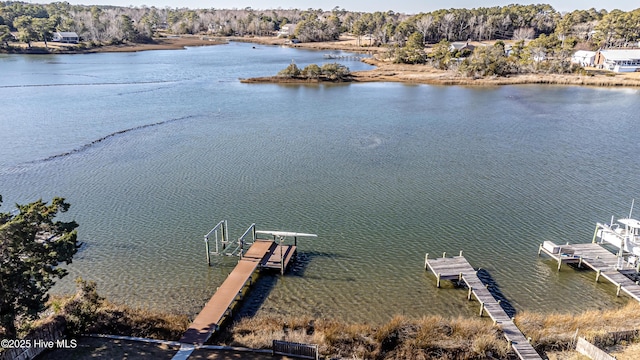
(458,268)
(601,260)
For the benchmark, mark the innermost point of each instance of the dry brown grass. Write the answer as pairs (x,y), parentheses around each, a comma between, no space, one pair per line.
(122,320)
(557,331)
(431,337)
(115,319)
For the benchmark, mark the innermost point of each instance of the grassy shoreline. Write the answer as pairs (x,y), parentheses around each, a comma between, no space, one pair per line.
(385,71)
(402,337)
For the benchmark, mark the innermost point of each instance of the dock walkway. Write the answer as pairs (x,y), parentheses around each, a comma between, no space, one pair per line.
(599,259)
(262,253)
(458,268)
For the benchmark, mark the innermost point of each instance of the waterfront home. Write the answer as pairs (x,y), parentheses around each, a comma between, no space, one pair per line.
(287,30)
(618,60)
(68,37)
(584,58)
(461,46)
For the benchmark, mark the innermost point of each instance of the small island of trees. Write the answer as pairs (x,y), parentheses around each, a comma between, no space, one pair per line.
(326,72)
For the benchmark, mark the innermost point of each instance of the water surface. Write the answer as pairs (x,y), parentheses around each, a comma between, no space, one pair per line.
(152,149)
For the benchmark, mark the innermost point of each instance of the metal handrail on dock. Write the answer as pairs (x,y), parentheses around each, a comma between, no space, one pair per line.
(262,254)
(458,268)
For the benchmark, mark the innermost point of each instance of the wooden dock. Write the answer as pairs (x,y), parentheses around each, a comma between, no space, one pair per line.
(458,268)
(261,254)
(599,259)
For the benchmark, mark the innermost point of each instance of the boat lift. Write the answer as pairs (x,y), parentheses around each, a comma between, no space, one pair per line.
(624,235)
(223,246)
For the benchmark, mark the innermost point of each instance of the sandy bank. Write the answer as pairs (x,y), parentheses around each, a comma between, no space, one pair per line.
(423,74)
(163,43)
(384,72)
(168,43)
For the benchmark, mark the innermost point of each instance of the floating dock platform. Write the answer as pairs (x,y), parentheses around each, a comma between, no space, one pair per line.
(458,268)
(597,258)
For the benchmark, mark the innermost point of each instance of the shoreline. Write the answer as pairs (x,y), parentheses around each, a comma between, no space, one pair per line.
(161,43)
(384,71)
(424,74)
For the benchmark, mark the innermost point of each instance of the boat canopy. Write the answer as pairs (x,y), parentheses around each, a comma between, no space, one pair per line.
(284,233)
(632,223)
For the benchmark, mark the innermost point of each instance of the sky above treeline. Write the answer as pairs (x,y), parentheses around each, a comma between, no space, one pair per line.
(400,6)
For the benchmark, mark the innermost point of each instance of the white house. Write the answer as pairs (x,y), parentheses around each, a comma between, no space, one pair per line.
(66,37)
(584,58)
(287,30)
(619,60)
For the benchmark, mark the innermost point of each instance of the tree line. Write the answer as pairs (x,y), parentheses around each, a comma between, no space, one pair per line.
(595,28)
(544,37)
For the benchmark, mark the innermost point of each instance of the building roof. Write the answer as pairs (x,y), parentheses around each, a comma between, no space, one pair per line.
(461,45)
(584,53)
(67,34)
(621,54)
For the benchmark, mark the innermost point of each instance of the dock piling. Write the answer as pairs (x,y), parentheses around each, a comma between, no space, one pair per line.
(456,268)
(603,262)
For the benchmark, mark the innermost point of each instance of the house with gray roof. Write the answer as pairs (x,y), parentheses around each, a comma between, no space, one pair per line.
(619,60)
(68,37)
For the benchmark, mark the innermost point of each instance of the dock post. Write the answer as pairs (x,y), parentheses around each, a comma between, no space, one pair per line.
(595,234)
(598,274)
(559,263)
(444,254)
(481,308)
(206,245)
(438,280)
(470,292)
(580,262)
(460,252)
(426,261)
(618,290)
(460,277)
(539,249)
(281,257)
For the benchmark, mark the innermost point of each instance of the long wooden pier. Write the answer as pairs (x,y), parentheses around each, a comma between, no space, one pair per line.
(458,268)
(263,254)
(599,259)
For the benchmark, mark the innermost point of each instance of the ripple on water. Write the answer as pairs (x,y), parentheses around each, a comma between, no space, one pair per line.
(381,188)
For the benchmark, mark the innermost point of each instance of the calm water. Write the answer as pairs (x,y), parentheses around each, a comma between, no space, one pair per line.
(383,173)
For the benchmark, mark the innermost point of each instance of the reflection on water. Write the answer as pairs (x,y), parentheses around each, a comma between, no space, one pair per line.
(383,173)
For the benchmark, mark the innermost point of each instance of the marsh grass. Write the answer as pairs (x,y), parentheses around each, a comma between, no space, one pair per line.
(87,312)
(431,337)
(558,331)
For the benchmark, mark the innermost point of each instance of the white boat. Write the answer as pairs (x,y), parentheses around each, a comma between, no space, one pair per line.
(624,234)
